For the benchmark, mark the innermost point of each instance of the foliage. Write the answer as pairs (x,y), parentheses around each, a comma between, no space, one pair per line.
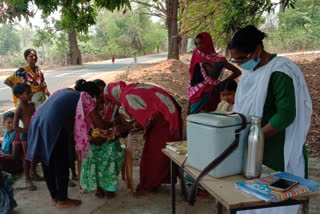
(9,40)
(221,18)
(82,11)
(127,33)
(299,28)
(26,35)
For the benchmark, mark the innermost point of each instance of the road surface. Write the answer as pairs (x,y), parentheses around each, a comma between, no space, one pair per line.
(66,77)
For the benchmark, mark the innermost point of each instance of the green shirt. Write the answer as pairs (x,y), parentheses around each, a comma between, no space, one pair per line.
(280,111)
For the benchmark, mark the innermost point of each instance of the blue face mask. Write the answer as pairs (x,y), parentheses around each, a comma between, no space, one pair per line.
(251,64)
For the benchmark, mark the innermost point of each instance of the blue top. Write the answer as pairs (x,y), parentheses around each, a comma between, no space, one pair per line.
(6,146)
(47,123)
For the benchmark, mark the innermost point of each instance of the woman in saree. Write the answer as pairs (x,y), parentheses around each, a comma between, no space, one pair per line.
(32,75)
(103,162)
(205,69)
(153,109)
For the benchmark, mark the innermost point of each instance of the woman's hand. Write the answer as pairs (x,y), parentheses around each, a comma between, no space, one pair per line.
(8,83)
(47,92)
(235,71)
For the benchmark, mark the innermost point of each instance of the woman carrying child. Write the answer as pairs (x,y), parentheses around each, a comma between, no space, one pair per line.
(49,132)
(205,68)
(103,162)
(32,75)
(10,153)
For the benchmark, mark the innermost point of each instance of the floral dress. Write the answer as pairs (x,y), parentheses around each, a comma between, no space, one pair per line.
(101,166)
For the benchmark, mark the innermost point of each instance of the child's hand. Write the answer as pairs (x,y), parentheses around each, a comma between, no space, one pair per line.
(98,140)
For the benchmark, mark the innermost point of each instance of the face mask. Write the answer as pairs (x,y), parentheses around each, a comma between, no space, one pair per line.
(251,64)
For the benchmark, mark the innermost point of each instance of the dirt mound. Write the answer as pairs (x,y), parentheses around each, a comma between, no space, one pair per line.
(168,66)
(171,75)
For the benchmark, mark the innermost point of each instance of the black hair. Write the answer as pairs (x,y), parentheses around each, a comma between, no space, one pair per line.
(247,39)
(198,37)
(7,115)
(28,51)
(230,85)
(89,87)
(100,82)
(20,88)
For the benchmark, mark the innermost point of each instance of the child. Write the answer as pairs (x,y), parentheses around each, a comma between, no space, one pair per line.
(227,91)
(24,112)
(7,202)
(10,156)
(103,163)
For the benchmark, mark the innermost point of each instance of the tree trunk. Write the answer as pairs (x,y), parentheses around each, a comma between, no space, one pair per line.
(75,54)
(158,49)
(184,44)
(172,23)
(282,8)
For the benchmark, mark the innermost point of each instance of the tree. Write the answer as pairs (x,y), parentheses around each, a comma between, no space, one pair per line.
(222,18)
(173,33)
(9,40)
(76,16)
(127,33)
(299,28)
(167,10)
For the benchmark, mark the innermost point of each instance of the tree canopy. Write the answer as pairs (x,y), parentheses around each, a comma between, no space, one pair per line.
(9,40)
(222,18)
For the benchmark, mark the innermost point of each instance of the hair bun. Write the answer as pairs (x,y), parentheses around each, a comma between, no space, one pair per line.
(246,39)
(89,87)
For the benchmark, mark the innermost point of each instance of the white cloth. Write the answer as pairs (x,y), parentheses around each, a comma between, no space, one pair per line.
(250,99)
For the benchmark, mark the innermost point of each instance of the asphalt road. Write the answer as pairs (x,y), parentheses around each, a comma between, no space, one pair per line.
(66,77)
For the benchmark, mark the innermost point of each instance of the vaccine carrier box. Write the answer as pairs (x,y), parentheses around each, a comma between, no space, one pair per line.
(209,134)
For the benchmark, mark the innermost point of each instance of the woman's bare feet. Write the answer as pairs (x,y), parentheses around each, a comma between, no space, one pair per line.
(54,202)
(99,193)
(110,195)
(68,203)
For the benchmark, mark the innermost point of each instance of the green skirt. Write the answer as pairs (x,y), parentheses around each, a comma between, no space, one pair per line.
(102,166)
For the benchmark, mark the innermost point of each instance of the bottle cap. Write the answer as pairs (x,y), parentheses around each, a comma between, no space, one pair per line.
(256,120)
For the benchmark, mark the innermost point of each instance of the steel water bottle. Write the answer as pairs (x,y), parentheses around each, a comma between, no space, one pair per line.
(254,150)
